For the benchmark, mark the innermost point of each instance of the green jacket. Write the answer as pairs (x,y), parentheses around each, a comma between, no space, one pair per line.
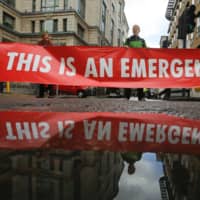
(135,42)
(131,157)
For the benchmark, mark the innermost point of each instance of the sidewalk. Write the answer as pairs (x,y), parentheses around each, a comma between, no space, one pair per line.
(94,104)
(184,99)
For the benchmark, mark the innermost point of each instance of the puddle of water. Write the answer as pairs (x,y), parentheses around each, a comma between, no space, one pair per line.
(144,183)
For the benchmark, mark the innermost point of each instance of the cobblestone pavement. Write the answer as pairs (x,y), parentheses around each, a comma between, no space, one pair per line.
(189,109)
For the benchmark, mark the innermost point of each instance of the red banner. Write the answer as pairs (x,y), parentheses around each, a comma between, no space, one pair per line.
(100,67)
(99,131)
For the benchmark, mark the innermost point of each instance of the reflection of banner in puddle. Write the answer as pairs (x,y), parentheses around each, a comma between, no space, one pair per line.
(99,131)
(100,67)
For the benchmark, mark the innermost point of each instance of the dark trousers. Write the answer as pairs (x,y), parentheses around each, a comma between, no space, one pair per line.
(42,89)
(127,93)
(1,87)
(140,93)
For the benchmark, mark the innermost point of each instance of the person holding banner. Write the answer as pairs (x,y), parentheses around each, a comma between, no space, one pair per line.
(135,41)
(45,41)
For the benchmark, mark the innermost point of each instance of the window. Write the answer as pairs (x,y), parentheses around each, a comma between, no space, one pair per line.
(33,26)
(198,31)
(8,21)
(65,25)
(81,8)
(198,26)
(113,8)
(49,5)
(112,31)
(66,4)
(103,18)
(41,25)
(119,37)
(81,31)
(180,5)
(123,36)
(198,21)
(120,12)
(33,5)
(55,25)
(10,2)
(49,25)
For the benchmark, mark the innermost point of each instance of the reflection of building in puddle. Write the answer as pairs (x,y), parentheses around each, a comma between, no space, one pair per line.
(60,175)
(182,177)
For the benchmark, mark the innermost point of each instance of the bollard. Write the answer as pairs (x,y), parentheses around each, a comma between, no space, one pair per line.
(7,87)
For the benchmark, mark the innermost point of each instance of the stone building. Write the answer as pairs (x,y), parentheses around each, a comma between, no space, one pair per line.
(60,174)
(182,176)
(174,11)
(69,22)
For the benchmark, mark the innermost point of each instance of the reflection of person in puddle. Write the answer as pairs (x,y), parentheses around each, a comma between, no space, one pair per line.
(131,158)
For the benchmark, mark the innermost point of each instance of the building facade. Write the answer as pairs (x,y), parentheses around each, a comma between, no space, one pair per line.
(164,189)
(174,11)
(182,176)
(60,174)
(69,22)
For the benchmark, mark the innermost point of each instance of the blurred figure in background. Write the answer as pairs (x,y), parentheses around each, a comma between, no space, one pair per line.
(45,41)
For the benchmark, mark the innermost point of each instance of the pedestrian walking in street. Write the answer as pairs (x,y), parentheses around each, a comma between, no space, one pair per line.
(45,41)
(135,41)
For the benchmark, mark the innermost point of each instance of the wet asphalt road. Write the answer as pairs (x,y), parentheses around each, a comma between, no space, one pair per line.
(189,109)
